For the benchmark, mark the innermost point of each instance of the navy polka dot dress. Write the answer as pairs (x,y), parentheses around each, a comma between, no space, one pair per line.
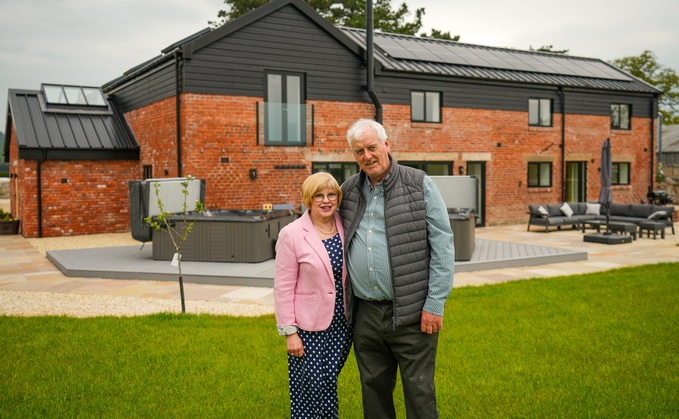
(313,377)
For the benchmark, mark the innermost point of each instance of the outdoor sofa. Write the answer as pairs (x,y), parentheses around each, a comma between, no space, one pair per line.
(575,214)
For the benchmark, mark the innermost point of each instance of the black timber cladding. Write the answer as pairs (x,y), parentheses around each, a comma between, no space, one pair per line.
(288,35)
(150,85)
(68,134)
(286,41)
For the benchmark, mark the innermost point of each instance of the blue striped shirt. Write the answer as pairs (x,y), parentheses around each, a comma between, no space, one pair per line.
(368,254)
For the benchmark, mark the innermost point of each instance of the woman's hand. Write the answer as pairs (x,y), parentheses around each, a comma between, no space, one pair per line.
(294,344)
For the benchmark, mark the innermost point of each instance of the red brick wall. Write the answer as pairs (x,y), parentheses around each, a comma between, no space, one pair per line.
(154,126)
(94,199)
(78,197)
(508,139)
(216,127)
(503,135)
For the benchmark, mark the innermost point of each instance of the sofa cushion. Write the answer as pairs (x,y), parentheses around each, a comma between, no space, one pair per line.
(579,208)
(538,211)
(593,209)
(566,209)
(554,210)
(640,210)
(657,208)
(577,219)
(622,210)
(658,214)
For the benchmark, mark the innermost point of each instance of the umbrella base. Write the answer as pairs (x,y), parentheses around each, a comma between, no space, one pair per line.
(607,238)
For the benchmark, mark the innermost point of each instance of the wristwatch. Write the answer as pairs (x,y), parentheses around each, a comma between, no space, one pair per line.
(287,330)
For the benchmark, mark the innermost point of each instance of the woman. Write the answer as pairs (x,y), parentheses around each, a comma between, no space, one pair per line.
(309,293)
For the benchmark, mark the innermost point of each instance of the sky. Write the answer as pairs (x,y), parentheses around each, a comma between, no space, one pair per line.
(91,42)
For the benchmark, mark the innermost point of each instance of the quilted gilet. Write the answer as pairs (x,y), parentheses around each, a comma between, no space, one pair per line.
(406,226)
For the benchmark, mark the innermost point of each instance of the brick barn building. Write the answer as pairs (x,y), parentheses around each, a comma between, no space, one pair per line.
(255,106)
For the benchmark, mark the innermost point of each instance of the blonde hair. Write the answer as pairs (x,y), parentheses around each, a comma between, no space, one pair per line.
(316,183)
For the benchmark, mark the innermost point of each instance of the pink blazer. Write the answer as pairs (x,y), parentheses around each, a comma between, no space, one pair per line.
(304,286)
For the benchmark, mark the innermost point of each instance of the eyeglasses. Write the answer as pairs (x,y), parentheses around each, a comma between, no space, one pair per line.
(319,197)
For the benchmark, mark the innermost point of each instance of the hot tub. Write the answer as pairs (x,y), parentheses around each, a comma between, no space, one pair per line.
(225,236)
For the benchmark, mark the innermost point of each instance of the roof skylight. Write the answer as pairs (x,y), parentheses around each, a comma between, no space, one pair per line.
(73,95)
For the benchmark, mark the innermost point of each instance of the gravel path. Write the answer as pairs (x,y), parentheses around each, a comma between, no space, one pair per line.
(83,242)
(29,303)
(32,303)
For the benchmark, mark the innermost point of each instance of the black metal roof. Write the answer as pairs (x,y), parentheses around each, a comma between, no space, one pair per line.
(411,54)
(422,56)
(49,131)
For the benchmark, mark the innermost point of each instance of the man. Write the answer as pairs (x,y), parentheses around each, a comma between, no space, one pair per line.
(400,260)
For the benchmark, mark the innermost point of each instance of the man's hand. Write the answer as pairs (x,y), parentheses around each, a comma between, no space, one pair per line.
(431,323)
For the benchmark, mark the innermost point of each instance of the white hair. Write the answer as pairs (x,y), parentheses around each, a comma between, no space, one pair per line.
(359,127)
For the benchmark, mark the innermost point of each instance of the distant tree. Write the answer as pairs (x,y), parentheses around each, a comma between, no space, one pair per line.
(647,68)
(435,33)
(349,13)
(550,48)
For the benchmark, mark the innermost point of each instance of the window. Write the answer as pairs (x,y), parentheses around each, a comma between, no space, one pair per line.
(431,168)
(285,109)
(539,175)
(425,107)
(340,171)
(620,116)
(148,172)
(73,95)
(540,112)
(621,173)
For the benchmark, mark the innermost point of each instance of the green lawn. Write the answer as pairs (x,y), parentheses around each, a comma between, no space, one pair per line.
(603,345)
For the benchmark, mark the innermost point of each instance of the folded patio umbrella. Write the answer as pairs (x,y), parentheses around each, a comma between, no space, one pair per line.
(606,194)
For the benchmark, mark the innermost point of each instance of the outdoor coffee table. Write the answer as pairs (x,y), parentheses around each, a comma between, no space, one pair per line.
(653,226)
(613,226)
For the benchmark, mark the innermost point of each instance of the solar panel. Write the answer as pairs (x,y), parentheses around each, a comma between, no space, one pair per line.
(451,52)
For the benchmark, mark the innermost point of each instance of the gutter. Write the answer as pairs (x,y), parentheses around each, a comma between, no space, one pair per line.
(370,60)
(177,90)
(39,192)
(659,137)
(563,143)
(651,148)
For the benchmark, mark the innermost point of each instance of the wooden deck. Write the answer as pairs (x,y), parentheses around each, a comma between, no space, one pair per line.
(136,262)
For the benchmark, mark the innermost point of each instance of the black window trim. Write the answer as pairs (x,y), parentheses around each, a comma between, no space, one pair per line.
(551,112)
(315,167)
(629,116)
(629,173)
(539,163)
(426,163)
(424,120)
(303,76)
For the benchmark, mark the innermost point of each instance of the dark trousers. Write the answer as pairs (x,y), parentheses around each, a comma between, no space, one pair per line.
(380,351)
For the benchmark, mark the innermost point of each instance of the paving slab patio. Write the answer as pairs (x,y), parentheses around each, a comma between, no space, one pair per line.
(24,268)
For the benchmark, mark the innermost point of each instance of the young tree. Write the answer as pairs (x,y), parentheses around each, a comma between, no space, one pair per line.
(647,68)
(177,231)
(350,13)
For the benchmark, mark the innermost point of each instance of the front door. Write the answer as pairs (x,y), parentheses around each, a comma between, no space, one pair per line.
(576,181)
(478,170)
